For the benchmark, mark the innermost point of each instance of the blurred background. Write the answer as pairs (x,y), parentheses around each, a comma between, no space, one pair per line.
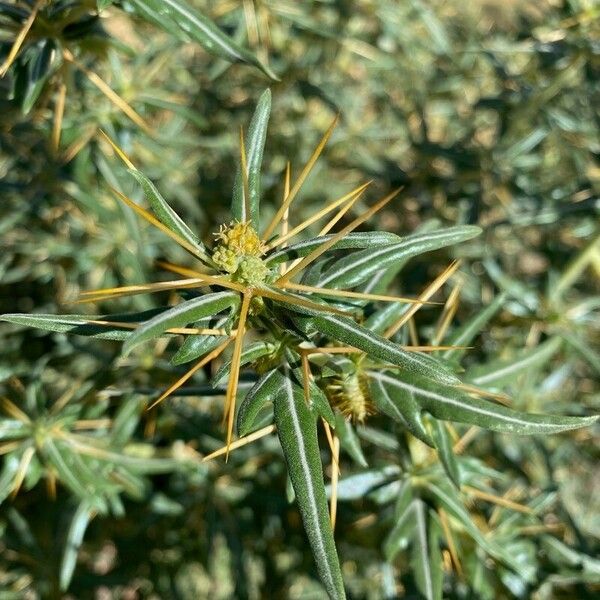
(486,112)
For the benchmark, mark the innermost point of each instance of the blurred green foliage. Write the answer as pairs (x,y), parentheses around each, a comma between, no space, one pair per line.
(486,112)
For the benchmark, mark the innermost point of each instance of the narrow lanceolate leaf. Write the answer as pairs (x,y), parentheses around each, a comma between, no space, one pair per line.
(451,404)
(349,332)
(465,334)
(505,371)
(178,18)
(297,430)
(447,497)
(194,346)
(263,391)
(400,405)
(443,443)
(382,280)
(79,524)
(361,266)
(399,537)
(182,314)
(425,558)
(354,240)
(164,212)
(77,324)
(8,475)
(359,485)
(255,144)
(349,440)
(251,353)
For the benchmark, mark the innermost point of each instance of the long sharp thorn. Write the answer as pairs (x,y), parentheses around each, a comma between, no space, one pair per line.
(431,289)
(154,221)
(22,470)
(235,367)
(119,151)
(328,435)
(301,178)
(108,92)
(341,212)
(141,288)
(200,281)
(247,439)
(349,294)
(321,213)
(447,315)
(317,252)
(334,350)
(185,271)
(175,330)
(204,361)
(267,293)
(285,223)
(13,410)
(20,38)
(450,541)
(473,389)
(499,500)
(335,473)
(59,111)
(465,440)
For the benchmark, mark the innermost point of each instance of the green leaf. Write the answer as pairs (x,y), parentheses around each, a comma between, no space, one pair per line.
(425,556)
(65,471)
(501,372)
(263,391)
(448,498)
(587,352)
(164,212)
(250,354)
(385,317)
(354,240)
(181,315)
(516,289)
(41,61)
(68,324)
(8,474)
(358,486)
(11,429)
(75,534)
(359,267)
(125,421)
(195,346)
(443,443)
(349,332)
(320,406)
(297,430)
(255,144)
(464,335)
(349,441)
(381,281)
(317,400)
(399,537)
(401,406)
(181,20)
(451,404)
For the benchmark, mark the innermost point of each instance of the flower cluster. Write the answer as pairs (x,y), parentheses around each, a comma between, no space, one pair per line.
(238,253)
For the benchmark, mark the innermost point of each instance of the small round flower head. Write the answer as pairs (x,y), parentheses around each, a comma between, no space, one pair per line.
(241,238)
(238,252)
(252,270)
